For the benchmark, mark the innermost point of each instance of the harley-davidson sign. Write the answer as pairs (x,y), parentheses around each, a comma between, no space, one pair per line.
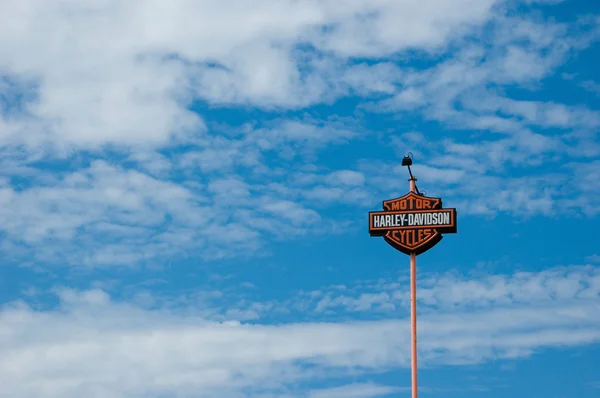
(412,223)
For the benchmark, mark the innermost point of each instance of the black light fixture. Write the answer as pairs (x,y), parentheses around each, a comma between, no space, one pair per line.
(407,161)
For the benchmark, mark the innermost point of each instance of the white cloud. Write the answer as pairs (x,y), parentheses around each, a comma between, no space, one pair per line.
(110,216)
(366,390)
(345,177)
(91,345)
(467,90)
(126,73)
(227,199)
(452,291)
(291,211)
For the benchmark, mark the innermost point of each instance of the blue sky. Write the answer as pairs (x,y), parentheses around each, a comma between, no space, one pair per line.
(185,188)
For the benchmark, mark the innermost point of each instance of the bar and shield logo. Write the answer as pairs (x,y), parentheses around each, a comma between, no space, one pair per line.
(412,223)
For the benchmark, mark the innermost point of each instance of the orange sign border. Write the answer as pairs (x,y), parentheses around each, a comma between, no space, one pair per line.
(438,230)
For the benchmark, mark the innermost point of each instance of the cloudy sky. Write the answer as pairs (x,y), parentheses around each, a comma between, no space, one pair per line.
(185,187)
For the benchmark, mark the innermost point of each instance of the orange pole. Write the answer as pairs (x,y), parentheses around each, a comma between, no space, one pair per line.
(413,312)
(413,322)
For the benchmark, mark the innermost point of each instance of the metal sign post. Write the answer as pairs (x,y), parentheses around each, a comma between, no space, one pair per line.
(413,311)
(412,224)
